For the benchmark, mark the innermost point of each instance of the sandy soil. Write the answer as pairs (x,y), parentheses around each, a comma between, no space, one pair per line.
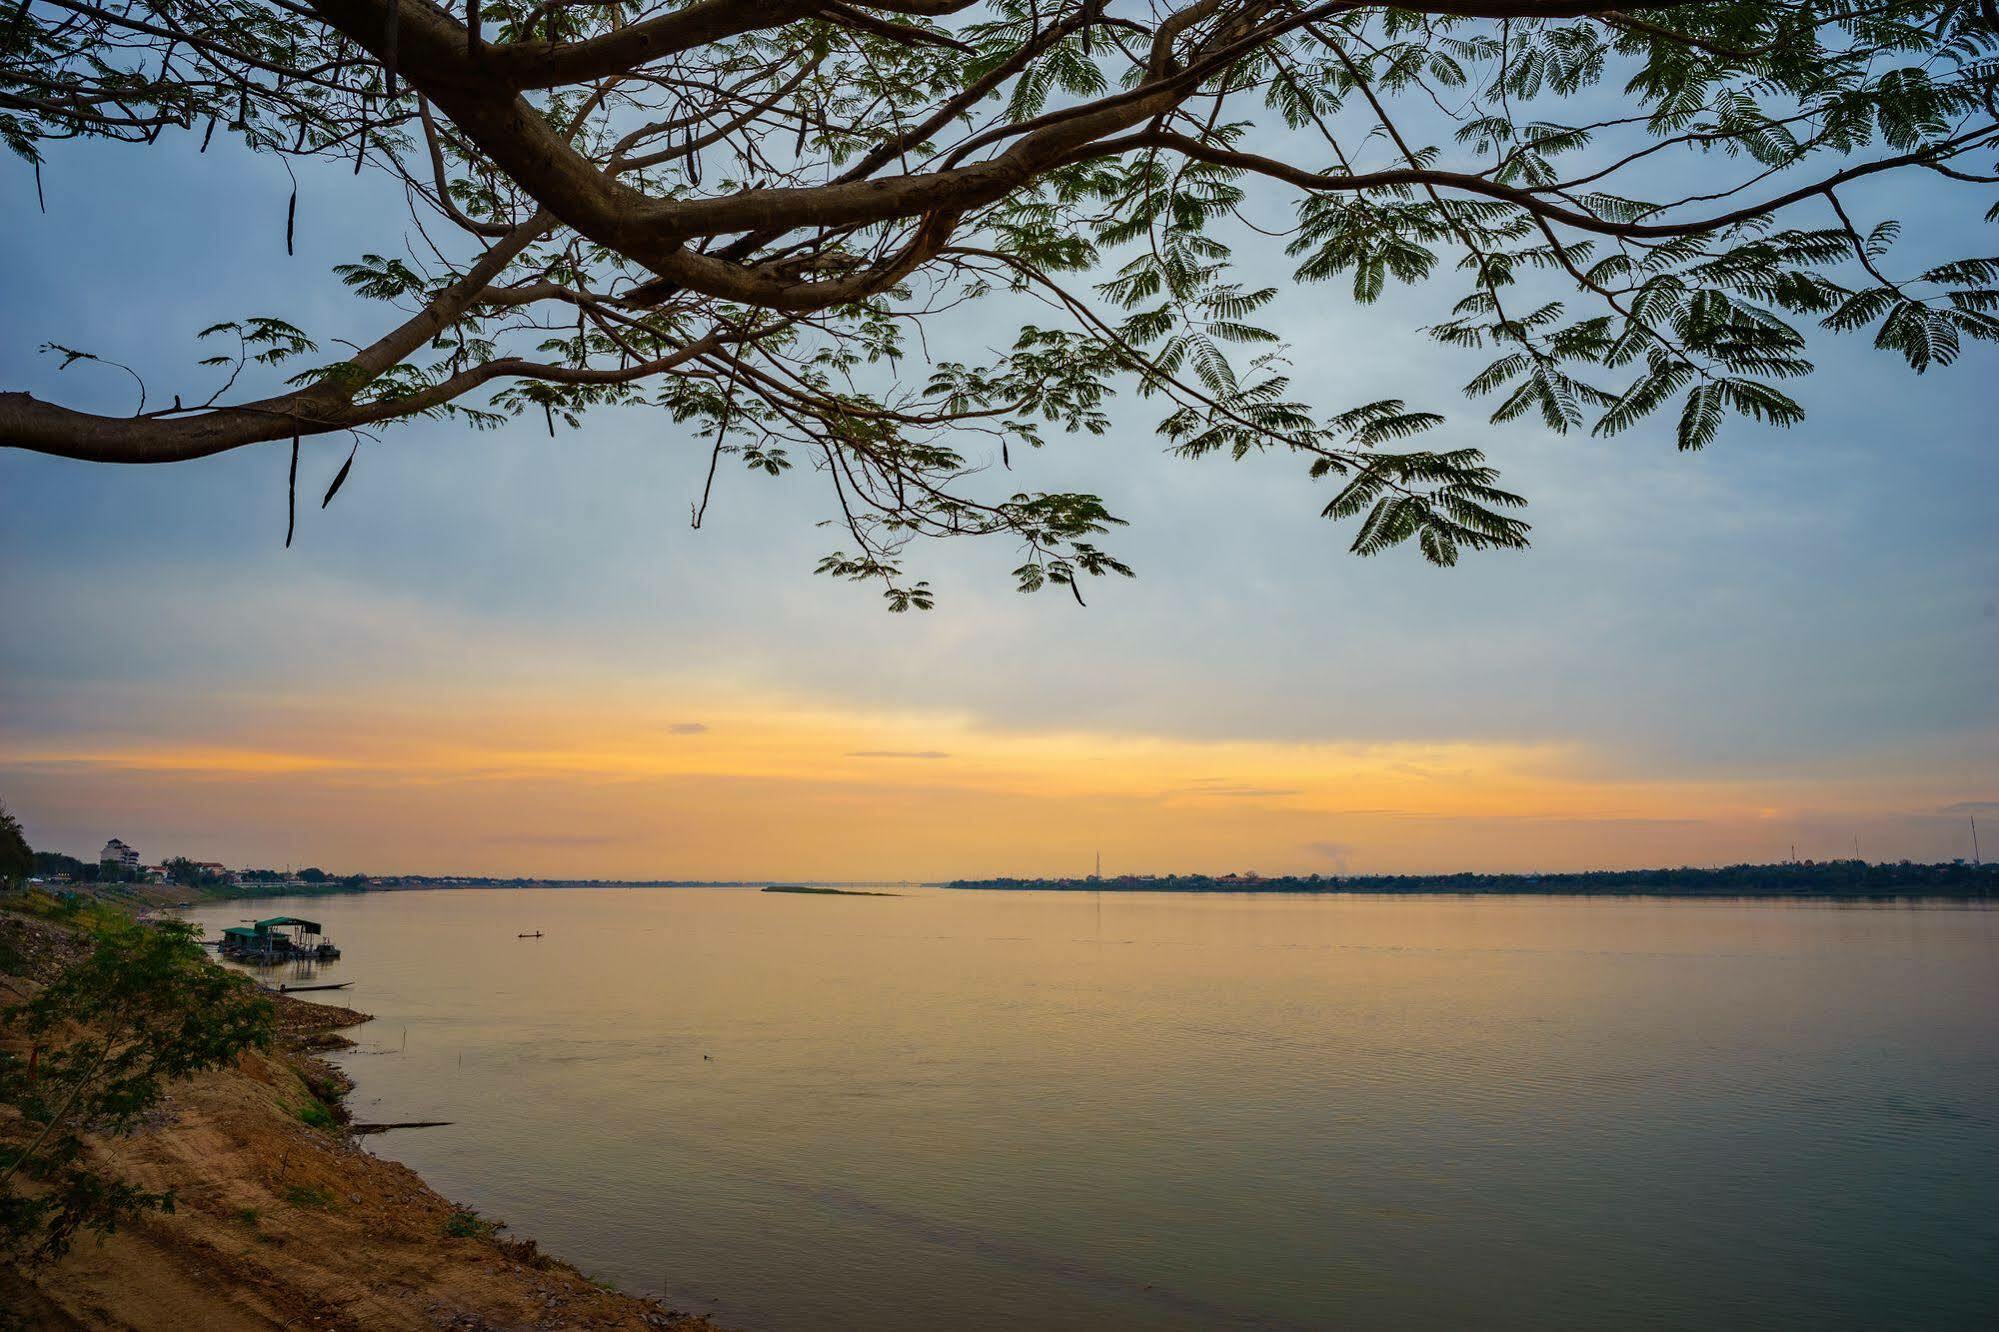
(283,1225)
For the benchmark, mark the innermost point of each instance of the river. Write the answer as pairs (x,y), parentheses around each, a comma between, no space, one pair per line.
(950,1109)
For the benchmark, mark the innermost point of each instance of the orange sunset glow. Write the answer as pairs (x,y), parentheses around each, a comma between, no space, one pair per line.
(633,789)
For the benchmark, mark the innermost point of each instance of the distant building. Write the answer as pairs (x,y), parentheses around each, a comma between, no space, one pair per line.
(117,853)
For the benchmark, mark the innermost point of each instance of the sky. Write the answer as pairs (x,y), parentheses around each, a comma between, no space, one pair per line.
(505,654)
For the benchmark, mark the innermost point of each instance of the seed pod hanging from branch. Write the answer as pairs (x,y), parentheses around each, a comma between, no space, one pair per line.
(291,492)
(340,477)
(389,23)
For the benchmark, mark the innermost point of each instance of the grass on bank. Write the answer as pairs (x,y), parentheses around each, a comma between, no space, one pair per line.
(315,1114)
(308,1196)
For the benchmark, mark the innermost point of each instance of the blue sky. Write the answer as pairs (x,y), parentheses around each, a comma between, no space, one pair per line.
(1787,638)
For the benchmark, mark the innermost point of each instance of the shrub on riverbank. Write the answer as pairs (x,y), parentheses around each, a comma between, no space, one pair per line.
(468,1224)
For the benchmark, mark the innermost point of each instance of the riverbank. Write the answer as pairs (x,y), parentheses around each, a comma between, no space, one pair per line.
(281,1219)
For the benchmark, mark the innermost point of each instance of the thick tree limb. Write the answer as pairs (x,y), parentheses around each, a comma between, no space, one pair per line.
(871,165)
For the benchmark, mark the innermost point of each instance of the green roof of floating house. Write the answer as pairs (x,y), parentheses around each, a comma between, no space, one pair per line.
(244,933)
(309,926)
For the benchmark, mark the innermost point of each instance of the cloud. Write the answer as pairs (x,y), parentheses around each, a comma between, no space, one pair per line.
(441,695)
(1337,852)
(1387,813)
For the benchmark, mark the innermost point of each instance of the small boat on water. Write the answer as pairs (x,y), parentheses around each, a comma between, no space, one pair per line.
(535,935)
(294,989)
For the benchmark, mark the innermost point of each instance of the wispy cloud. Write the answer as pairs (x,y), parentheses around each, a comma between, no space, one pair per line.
(898,753)
(1335,852)
(687,728)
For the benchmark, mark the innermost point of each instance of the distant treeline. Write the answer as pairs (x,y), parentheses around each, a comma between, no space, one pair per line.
(1808,878)
(483,881)
(185,873)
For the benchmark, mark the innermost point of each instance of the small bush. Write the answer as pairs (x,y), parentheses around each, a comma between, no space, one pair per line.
(315,1113)
(525,1252)
(468,1224)
(308,1195)
(249,1216)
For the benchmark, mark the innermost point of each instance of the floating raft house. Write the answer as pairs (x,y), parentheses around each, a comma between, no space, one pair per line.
(278,938)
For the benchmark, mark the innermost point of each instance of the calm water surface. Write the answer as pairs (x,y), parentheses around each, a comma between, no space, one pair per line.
(970,1110)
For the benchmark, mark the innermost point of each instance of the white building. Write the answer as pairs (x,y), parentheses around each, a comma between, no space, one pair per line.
(117,853)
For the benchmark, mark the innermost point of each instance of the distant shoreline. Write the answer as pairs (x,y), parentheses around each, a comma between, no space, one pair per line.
(1833,880)
(1849,880)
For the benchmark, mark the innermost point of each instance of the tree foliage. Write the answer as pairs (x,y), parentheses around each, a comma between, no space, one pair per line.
(91,1053)
(189,873)
(17,860)
(745,214)
(51,863)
